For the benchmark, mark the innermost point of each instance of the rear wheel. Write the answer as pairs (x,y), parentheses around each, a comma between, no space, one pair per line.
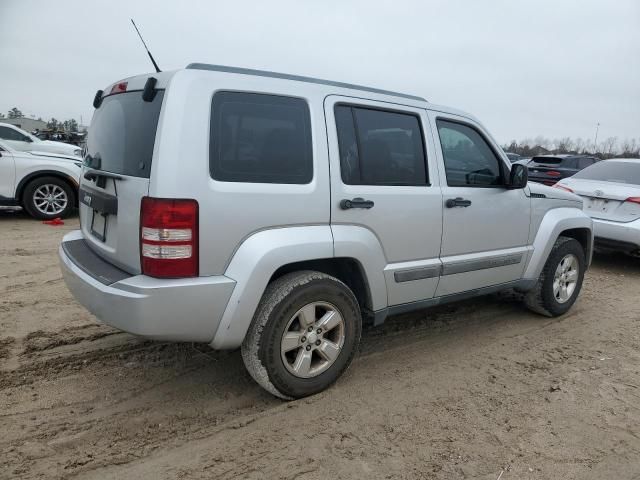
(560,281)
(46,198)
(304,334)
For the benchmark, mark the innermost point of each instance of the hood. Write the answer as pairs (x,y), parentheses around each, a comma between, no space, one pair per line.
(52,145)
(58,156)
(554,193)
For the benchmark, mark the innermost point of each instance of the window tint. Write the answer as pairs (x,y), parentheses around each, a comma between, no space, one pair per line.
(468,159)
(380,147)
(260,139)
(7,133)
(123,133)
(612,171)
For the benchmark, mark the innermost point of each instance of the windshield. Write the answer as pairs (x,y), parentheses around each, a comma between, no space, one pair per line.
(612,171)
(122,134)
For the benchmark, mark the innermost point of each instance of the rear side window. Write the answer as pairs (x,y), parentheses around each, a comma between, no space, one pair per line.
(122,134)
(258,138)
(379,147)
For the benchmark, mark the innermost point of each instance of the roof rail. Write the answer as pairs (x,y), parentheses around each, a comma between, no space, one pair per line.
(297,78)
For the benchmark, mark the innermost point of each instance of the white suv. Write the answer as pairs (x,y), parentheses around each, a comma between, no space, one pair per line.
(276,213)
(21,140)
(44,184)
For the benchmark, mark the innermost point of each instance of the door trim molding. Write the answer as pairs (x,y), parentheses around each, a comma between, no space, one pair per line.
(451,268)
(419,273)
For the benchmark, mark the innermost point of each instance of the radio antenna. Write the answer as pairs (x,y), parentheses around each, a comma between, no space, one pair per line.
(145,47)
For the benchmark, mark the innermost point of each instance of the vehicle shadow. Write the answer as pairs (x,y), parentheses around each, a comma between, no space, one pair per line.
(617,263)
(21,215)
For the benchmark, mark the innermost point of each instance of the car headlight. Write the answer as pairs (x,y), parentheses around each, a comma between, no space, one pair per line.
(77,152)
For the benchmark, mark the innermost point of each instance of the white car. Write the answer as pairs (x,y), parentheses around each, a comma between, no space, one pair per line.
(44,184)
(611,193)
(21,140)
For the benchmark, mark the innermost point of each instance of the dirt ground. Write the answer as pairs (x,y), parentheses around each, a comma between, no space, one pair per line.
(473,390)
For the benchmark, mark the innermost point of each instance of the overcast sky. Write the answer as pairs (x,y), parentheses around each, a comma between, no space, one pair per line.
(524,67)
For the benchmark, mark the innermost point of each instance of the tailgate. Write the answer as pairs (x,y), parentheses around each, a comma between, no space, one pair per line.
(118,161)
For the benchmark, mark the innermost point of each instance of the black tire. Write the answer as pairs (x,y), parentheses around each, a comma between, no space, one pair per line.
(29,200)
(261,349)
(542,299)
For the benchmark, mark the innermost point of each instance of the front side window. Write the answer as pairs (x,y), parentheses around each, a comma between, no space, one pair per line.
(379,147)
(469,161)
(259,138)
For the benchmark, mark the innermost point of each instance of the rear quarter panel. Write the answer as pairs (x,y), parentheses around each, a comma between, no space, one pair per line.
(231,212)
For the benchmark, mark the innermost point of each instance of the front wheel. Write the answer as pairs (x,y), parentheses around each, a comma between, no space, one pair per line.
(304,334)
(560,281)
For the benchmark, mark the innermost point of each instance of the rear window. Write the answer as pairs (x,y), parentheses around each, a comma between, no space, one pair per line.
(547,160)
(612,171)
(122,134)
(258,138)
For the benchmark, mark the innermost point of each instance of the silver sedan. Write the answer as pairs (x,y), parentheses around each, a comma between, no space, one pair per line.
(611,194)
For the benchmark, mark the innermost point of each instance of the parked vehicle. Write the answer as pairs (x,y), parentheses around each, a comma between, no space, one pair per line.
(24,141)
(513,157)
(611,194)
(44,184)
(548,169)
(68,138)
(274,213)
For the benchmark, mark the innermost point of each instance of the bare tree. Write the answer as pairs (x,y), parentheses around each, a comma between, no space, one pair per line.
(609,145)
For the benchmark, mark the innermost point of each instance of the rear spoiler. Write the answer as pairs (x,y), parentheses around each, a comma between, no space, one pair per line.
(148,92)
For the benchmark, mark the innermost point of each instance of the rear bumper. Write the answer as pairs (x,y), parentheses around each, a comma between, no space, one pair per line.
(186,309)
(617,236)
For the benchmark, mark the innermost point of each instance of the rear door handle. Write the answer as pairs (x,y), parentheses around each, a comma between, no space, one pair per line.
(457,202)
(346,204)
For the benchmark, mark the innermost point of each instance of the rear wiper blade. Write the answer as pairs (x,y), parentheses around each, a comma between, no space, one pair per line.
(91,174)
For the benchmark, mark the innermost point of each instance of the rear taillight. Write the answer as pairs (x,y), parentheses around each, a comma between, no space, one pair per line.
(633,200)
(169,237)
(553,173)
(562,187)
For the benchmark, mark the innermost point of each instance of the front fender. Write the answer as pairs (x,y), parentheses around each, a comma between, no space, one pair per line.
(253,264)
(553,224)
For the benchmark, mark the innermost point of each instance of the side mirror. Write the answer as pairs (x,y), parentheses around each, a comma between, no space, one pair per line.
(519,176)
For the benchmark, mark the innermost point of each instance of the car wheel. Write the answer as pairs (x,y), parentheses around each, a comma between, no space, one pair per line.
(560,281)
(46,198)
(304,334)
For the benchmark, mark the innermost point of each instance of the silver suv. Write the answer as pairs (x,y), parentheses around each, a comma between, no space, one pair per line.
(277,213)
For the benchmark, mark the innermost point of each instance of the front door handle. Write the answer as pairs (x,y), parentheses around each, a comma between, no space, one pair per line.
(346,204)
(457,202)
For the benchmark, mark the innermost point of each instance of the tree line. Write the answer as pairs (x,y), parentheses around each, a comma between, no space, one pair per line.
(70,125)
(610,147)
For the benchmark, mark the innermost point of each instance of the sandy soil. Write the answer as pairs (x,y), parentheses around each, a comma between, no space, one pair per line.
(466,391)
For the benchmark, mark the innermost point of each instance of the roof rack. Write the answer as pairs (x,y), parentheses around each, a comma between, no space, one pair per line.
(298,78)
